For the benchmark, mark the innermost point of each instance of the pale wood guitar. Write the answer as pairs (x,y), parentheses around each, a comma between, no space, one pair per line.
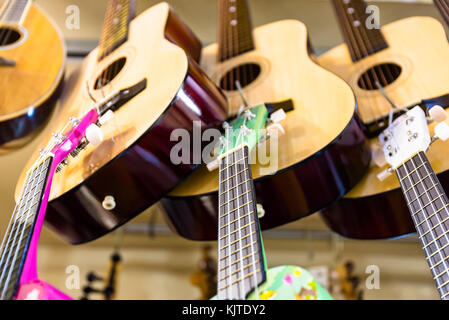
(32,61)
(323,148)
(409,59)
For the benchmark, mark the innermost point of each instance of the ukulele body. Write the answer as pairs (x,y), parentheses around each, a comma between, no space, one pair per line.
(30,88)
(289,283)
(376,209)
(132,164)
(322,154)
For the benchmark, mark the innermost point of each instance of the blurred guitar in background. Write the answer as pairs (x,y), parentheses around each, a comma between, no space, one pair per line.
(32,61)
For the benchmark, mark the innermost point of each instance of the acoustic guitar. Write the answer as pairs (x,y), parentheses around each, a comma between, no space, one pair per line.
(404,144)
(32,60)
(18,273)
(147,64)
(321,156)
(242,269)
(389,69)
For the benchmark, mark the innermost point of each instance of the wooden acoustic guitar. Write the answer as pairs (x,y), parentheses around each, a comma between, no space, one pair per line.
(32,61)
(393,62)
(321,156)
(242,269)
(404,144)
(18,251)
(148,65)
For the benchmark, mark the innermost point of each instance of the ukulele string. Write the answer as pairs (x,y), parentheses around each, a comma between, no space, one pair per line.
(355,49)
(229,269)
(6,32)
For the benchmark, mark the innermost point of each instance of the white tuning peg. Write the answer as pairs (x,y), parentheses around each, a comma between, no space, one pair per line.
(442,131)
(106,117)
(378,157)
(213,165)
(437,113)
(278,116)
(384,174)
(275,127)
(94,135)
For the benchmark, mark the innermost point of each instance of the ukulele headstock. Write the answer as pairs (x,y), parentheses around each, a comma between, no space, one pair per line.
(408,135)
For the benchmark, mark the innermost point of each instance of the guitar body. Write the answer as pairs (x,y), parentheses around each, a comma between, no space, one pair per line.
(290,283)
(133,164)
(30,88)
(321,156)
(376,209)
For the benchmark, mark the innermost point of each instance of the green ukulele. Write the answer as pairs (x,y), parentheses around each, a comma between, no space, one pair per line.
(242,271)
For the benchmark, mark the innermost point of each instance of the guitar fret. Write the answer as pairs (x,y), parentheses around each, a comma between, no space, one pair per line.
(411,172)
(238,240)
(232,188)
(233,176)
(425,206)
(240,259)
(235,198)
(435,226)
(240,279)
(240,249)
(439,210)
(235,209)
(235,220)
(231,165)
(434,240)
(238,270)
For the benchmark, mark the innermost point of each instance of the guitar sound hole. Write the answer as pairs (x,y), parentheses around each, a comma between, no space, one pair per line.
(109,73)
(8,36)
(245,74)
(385,74)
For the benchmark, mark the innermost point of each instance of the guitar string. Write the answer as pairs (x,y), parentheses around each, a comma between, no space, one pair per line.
(420,205)
(239,216)
(255,214)
(437,215)
(22,231)
(354,47)
(220,215)
(6,244)
(229,279)
(9,264)
(4,34)
(9,30)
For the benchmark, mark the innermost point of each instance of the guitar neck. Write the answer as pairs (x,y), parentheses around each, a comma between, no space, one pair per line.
(428,205)
(14,11)
(241,264)
(119,14)
(443,7)
(16,243)
(361,40)
(235,29)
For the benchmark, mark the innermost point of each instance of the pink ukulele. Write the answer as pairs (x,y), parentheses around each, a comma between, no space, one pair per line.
(18,271)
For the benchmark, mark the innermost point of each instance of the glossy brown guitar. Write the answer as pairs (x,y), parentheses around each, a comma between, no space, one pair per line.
(393,63)
(323,152)
(32,60)
(145,65)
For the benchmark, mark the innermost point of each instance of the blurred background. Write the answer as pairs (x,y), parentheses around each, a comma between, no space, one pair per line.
(159,265)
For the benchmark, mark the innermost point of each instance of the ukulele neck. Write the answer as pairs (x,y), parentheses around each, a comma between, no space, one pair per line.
(16,243)
(235,29)
(241,262)
(443,7)
(429,207)
(362,39)
(119,14)
(14,11)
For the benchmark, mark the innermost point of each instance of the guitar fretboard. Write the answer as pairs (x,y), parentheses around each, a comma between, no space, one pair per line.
(15,245)
(119,14)
(443,7)
(428,205)
(14,11)
(361,40)
(235,30)
(241,265)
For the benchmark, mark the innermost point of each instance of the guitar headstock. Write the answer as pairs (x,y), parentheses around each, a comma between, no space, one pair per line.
(409,134)
(244,130)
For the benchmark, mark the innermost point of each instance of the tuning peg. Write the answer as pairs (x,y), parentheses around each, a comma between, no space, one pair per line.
(94,135)
(106,117)
(278,116)
(437,113)
(213,165)
(378,157)
(441,131)
(275,127)
(384,174)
